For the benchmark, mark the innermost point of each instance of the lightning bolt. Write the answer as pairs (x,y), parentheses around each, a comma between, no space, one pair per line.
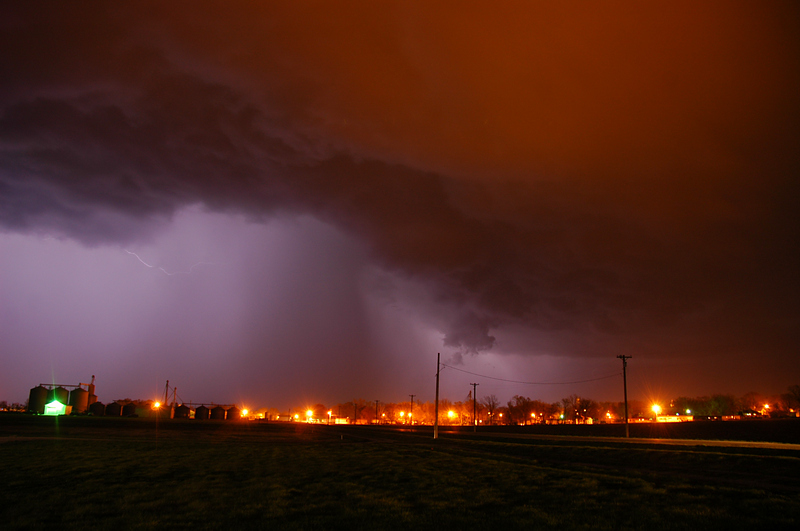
(189,272)
(138,258)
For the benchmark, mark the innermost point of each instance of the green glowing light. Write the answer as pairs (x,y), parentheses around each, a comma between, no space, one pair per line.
(55,408)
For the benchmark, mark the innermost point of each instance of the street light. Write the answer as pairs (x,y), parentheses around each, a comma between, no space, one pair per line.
(656,409)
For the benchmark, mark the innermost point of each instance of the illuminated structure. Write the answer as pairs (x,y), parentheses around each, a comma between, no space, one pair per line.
(78,400)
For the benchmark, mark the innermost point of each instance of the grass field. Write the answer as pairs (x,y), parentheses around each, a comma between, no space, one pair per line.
(99,473)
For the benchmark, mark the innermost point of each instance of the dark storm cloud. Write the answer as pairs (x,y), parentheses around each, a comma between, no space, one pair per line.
(608,180)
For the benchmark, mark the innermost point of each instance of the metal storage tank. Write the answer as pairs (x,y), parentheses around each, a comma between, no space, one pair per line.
(182,412)
(97,409)
(218,413)
(37,399)
(129,410)
(79,400)
(59,393)
(201,413)
(233,413)
(114,409)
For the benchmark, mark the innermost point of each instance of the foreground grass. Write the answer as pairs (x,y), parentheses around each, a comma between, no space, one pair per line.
(313,480)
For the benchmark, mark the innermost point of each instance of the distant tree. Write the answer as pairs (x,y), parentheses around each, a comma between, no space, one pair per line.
(792,397)
(751,402)
(355,410)
(490,402)
(503,416)
(519,409)
(569,406)
(540,411)
(720,405)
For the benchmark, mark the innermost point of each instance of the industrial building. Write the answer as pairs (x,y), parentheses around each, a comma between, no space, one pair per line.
(73,399)
(58,399)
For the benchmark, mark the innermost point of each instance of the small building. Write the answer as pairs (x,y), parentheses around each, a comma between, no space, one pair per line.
(114,409)
(56,408)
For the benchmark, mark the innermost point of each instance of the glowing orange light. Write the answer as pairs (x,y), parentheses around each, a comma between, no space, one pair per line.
(157,405)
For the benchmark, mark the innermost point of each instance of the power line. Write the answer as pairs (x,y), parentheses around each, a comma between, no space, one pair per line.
(531,383)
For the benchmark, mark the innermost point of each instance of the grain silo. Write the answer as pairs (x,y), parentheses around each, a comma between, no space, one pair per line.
(233,413)
(97,409)
(37,399)
(79,400)
(129,410)
(201,413)
(182,412)
(218,413)
(59,393)
(114,409)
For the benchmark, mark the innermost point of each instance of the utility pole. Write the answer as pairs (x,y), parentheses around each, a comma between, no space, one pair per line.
(411,413)
(474,407)
(625,388)
(436,401)
(376,412)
